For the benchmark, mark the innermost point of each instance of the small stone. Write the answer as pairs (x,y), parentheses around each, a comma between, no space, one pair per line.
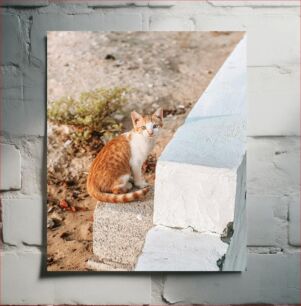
(110,57)
(118,117)
(67,143)
(54,221)
(50,223)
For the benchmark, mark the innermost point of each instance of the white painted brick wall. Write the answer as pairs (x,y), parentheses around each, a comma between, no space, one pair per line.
(269,279)
(273,162)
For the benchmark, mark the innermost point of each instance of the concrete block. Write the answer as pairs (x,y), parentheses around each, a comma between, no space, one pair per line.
(269,279)
(173,249)
(22,283)
(13,43)
(168,249)
(19,225)
(274,95)
(273,166)
(261,220)
(193,186)
(10,167)
(170,23)
(24,3)
(119,232)
(202,169)
(294,220)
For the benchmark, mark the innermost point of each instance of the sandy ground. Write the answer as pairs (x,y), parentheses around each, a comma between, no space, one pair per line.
(169,69)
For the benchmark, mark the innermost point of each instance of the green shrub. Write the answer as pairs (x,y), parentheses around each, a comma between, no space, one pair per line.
(92,112)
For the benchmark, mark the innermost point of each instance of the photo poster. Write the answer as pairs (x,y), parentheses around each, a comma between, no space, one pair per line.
(146,151)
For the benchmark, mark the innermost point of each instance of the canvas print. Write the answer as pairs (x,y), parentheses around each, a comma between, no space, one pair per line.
(146,155)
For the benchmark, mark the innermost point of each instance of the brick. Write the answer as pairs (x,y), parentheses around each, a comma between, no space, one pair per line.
(294,221)
(170,23)
(108,4)
(10,167)
(12,82)
(261,220)
(23,110)
(22,283)
(277,89)
(154,3)
(150,3)
(33,155)
(273,165)
(13,43)
(212,22)
(12,97)
(31,118)
(269,279)
(122,22)
(24,3)
(269,37)
(19,225)
(244,3)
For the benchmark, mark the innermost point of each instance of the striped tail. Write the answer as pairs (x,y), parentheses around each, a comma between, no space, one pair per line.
(119,198)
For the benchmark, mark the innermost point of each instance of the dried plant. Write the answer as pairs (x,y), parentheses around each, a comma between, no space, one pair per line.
(93,112)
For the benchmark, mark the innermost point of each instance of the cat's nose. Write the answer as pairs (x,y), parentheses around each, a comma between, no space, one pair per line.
(150,132)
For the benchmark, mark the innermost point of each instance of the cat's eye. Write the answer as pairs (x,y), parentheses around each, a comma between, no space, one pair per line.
(143,127)
(155,126)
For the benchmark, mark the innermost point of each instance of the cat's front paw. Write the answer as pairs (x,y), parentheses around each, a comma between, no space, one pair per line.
(141,184)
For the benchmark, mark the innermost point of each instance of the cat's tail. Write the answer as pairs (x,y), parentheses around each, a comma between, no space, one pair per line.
(119,198)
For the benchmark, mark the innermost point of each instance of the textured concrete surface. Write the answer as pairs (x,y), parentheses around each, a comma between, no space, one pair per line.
(273,274)
(168,249)
(195,185)
(118,233)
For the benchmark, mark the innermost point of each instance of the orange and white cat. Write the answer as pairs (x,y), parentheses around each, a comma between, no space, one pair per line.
(120,161)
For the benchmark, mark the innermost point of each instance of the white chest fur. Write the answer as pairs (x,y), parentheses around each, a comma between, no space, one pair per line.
(140,148)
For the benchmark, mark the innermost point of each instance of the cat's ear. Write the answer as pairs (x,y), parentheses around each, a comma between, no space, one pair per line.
(135,117)
(159,113)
